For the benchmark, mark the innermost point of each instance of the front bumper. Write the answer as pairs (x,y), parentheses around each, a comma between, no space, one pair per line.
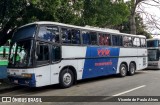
(18,80)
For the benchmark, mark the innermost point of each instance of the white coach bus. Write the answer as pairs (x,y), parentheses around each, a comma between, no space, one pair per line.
(48,53)
(153,46)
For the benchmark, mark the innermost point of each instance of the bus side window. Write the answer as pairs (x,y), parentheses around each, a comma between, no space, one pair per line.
(104,39)
(66,35)
(127,41)
(70,36)
(49,33)
(89,38)
(75,36)
(42,53)
(116,40)
(101,39)
(136,42)
(55,33)
(107,40)
(143,42)
(85,37)
(93,36)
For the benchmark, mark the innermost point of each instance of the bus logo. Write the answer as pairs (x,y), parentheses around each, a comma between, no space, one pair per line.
(6,99)
(103,52)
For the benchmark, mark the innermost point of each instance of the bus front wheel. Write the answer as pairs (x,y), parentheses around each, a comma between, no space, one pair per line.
(66,78)
(123,70)
(132,69)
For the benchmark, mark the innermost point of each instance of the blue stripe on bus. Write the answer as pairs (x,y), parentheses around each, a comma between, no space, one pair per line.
(101,66)
(3,72)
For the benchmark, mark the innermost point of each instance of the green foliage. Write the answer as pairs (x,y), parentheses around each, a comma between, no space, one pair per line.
(11,12)
(101,13)
(104,13)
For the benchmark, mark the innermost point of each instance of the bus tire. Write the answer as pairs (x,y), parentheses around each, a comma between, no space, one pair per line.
(66,78)
(123,70)
(132,69)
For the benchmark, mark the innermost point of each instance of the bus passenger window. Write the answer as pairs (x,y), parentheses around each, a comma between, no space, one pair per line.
(116,40)
(93,36)
(127,41)
(136,42)
(49,33)
(55,33)
(70,36)
(89,38)
(101,39)
(66,35)
(85,37)
(104,39)
(143,42)
(75,36)
(42,53)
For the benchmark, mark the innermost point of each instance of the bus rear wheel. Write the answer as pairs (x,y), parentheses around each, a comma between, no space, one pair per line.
(66,78)
(123,70)
(132,68)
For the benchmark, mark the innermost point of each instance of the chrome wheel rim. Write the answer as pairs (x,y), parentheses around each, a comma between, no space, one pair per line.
(132,69)
(123,71)
(67,78)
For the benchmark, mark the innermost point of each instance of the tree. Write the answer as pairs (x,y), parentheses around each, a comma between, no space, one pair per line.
(135,7)
(12,13)
(104,13)
(140,27)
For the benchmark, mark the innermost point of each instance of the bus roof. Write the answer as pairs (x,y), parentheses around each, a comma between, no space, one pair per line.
(153,39)
(107,30)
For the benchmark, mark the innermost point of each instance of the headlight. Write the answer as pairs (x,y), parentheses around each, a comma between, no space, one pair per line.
(26,75)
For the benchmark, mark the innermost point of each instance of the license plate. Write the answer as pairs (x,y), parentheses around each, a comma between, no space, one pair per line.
(16,81)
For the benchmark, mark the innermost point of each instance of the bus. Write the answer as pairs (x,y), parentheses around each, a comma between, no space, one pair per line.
(4,52)
(47,53)
(153,46)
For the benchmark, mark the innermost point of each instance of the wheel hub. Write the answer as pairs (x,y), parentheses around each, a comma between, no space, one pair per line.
(67,78)
(123,70)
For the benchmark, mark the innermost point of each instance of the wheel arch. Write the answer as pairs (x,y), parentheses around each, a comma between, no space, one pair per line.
(123,73)
(72,69)
(134,63)
(125,64)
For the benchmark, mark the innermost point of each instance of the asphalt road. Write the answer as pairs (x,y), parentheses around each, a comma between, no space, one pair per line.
(143,83)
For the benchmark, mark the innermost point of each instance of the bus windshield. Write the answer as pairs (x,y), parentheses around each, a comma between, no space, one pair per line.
(24,32)
(20,54)
(153,55)
(153,43)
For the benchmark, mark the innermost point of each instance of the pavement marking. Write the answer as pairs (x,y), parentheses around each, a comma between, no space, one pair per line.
(129,90)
